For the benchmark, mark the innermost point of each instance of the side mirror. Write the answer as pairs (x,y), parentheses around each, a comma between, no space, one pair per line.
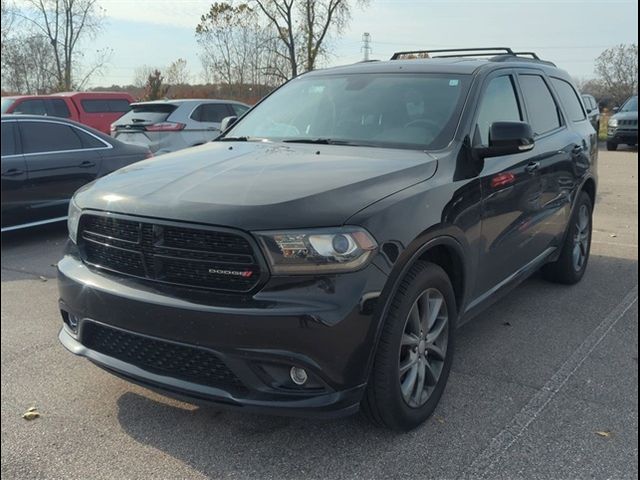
(616,109)
(507,138)
(227,122)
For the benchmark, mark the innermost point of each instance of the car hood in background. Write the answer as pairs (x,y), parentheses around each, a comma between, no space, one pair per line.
(625,116)
(259,185)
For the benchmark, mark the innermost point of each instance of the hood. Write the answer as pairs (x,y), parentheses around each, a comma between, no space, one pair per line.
(259,185)
(626,116)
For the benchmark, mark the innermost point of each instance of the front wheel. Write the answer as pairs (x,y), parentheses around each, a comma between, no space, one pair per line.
(572,263)
(415,351)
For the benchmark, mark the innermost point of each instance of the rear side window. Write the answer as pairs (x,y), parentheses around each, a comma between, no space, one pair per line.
(211,112)
(239,109)
(57,108)
(146,114)
(39,137)
(8,138)
(569,98)
(31,107)
(88,141)
(499,104)
(118,105)
(541,107)
(588,102)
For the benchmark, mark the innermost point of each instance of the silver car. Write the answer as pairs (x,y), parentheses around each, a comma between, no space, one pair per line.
(168,125)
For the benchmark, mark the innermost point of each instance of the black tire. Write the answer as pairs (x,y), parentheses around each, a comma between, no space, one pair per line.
(383,402)
(612,146)
(565,270)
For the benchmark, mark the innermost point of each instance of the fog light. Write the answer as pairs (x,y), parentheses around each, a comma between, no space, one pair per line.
(298,375)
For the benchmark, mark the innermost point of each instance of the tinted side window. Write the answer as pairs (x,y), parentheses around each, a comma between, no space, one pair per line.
(88,141)
(57,108)
(569,98)
(8,138)
(239,109)
(499,104)
(118,105)
(541,107)
(31,107)
(48,137)
(94,106)
(211,112)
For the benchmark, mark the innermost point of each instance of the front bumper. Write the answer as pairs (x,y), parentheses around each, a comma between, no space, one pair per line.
(323,324)
(622,135)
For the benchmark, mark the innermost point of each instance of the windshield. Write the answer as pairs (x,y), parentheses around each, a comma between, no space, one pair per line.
(630,105)
(395,110)
(6,103)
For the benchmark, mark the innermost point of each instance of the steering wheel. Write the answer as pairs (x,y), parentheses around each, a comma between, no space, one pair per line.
(430,124)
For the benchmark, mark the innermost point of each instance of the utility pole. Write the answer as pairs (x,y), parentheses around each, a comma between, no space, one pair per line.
(366,45)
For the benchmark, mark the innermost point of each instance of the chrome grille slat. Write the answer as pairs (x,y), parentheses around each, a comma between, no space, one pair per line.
(177,255)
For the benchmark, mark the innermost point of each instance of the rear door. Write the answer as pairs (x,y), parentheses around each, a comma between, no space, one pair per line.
(511,189)
(60,158)
(14,177)
(207,119)
(556,149)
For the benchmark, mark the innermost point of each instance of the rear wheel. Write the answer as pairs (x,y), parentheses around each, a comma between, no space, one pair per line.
(415,351)
(612,146)
(572,263)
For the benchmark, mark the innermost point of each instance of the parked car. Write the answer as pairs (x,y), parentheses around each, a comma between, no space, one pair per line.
(593,110)
(45,160)
(169,125)
(318,256)
(94,109)
(623,125)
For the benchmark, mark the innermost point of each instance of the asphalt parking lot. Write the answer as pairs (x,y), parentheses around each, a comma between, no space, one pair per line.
(544,385)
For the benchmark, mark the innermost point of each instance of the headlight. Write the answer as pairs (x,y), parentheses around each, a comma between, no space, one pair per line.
(613,122)
(331,250)
(73,218)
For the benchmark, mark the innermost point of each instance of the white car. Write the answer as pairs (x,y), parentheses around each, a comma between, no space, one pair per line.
(169,125)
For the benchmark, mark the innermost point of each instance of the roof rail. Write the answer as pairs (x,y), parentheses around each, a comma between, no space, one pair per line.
(455,52)
(521,57)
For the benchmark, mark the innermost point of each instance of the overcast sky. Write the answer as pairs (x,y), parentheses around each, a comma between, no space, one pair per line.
(570,33)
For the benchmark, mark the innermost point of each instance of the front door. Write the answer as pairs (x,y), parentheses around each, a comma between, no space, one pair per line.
(511,190)
(14,177)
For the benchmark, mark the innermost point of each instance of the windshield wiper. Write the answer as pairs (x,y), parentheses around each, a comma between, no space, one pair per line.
(329,141)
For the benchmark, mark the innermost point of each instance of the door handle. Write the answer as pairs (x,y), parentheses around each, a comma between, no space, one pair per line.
(13,172)
(213,129)
(87,164)
(532,167)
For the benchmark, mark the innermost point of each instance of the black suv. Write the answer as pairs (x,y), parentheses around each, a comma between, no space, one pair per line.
(318,257)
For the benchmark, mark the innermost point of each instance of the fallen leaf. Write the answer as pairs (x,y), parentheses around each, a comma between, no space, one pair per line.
(507,324)
(44,279)
(613,235)
(603,433)
(439,419)
(31,414)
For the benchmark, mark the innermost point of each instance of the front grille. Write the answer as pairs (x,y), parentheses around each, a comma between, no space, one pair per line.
(157,356)
(630,123)
(185,256)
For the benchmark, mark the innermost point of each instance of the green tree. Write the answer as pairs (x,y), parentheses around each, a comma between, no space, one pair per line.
(155,89)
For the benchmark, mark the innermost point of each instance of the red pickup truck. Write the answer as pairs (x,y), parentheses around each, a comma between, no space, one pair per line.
(95,109)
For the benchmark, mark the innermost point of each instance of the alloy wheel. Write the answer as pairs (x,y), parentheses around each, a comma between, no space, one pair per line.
(581,238)
(423,348)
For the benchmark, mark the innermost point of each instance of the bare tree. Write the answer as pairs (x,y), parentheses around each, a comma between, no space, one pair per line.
(141,75)
(305,26)
(66,23)
(239,49)
(7,20)
(27,65)
(617,70)
(177,73)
